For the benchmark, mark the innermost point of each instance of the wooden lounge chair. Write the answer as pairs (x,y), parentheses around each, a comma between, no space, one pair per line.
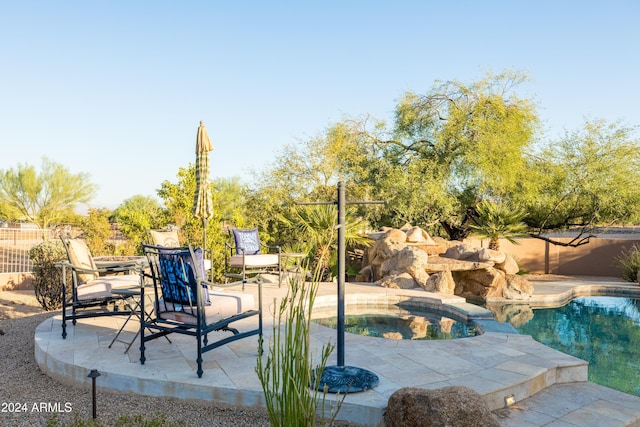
(92,285)
(184,304)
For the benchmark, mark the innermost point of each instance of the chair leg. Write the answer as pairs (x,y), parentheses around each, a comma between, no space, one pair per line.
(64,321)
(142,327)
(200,371)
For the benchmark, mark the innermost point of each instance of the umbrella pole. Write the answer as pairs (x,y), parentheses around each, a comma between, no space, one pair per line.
(204,240)
(204,230)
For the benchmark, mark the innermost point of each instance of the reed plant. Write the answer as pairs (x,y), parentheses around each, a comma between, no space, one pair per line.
(288,369)
(629,263)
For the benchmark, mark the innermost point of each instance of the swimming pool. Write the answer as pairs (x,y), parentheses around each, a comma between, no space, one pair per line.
(394,322)
(604,331)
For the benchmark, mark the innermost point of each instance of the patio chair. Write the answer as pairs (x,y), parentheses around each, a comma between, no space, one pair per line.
(169,238)
(92,284)
(166,238)
(247,256)
(185,304)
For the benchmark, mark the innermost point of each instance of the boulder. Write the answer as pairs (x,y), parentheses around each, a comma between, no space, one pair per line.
(509,266)
(485,283)
(418,235)
(461,251)
(385,249)
(518,288)
(412,260)
(441,282)
(486,254)
(455,406)
(398,281)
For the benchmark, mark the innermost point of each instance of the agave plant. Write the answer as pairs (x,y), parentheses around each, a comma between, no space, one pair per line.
(497,221)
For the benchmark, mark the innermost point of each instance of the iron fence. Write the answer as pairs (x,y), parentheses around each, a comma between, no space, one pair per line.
(15,244)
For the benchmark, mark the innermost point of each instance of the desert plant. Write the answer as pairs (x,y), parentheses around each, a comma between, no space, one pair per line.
(499,221)
(48,277)
(287,371)
(316,225)
(629,263)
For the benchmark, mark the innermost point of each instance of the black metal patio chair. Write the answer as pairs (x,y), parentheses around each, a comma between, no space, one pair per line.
(91,288)
(185,304)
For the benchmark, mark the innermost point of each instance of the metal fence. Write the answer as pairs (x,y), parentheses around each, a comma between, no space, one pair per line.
(15,244)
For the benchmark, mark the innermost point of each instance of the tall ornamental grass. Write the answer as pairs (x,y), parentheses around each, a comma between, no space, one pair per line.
(629,263)
(287,371)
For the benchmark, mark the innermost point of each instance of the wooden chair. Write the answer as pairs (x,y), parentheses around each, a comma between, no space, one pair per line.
(247,256)
(92,285)
(184,304)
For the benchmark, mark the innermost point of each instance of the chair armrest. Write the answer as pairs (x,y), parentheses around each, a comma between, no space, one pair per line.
(219,286)
(271,247)
(112,269)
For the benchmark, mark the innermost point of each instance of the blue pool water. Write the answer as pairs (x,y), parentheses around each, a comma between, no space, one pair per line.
(604,331)
(415,325)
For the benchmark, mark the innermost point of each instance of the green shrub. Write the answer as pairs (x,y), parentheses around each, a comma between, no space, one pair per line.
(48,277)
(629,263)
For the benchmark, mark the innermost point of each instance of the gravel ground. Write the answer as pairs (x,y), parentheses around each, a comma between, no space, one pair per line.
(23,387)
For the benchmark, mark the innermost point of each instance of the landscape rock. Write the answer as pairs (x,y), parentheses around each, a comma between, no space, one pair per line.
(518,288)
(418,235)
(441,282)
(455,406)
(398,281)
(461,251)
(485,283)
(412,258)
(486,254)
(509,266)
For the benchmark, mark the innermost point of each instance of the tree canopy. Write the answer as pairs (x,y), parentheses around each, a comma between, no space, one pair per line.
(585,182)
(45,197)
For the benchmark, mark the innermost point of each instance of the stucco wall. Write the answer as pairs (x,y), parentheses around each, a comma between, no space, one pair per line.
(596,258)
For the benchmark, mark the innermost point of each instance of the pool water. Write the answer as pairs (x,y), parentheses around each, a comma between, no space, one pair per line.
(414,326)
(604,331)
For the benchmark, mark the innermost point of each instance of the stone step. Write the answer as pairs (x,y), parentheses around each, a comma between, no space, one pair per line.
(581,404)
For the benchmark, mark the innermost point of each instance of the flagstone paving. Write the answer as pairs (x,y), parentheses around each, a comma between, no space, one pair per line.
(549,387)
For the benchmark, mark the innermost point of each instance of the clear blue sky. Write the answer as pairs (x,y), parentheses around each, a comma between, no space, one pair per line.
(117,88)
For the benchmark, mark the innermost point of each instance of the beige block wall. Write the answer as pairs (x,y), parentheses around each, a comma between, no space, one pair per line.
(596,258)
(13,281)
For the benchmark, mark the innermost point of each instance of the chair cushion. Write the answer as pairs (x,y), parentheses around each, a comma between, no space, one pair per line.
(80,256)
(168,239)
(223,305)
(247,239)
(260,260)
(102,286)
(180,275)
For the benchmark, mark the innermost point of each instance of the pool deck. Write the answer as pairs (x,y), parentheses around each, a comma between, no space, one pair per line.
(549,387)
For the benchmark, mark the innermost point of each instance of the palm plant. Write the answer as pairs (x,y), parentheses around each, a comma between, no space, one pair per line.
(497,221)
(315,225)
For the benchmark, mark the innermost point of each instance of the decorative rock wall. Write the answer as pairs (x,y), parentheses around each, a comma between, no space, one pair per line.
(409,258)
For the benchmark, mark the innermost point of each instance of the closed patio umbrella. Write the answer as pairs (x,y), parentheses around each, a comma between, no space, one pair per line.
(202,203)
